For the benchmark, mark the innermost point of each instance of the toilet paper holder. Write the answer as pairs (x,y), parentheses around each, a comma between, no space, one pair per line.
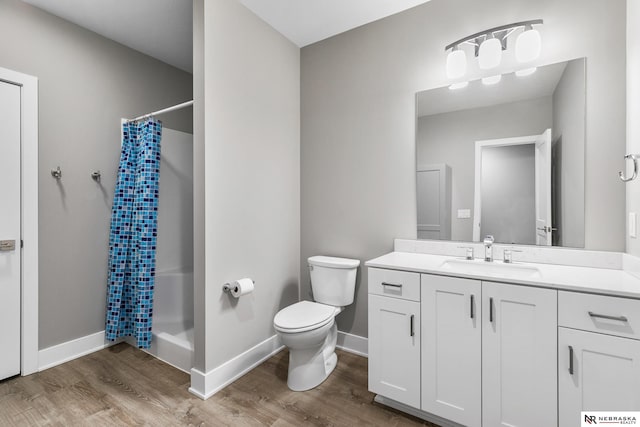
(228,287)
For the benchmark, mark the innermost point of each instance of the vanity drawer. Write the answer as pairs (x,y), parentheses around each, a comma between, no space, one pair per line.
(597,313)
(393,283)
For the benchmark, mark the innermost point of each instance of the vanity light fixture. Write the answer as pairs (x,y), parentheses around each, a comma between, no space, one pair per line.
(456,63)
(490,54)
(489,44)
(528,45)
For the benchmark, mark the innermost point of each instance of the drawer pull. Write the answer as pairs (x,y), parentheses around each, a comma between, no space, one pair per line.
(472,306)
(392,285)
(411,326)
(571,360)
(604,316)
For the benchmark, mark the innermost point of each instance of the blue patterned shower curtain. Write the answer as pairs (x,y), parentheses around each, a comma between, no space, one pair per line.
(134,230)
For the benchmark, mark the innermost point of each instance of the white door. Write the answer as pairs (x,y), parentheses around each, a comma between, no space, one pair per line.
(394,349)
(9,230)
(543,189)
(451,351)
(597,372)
(519,356)
(433,188)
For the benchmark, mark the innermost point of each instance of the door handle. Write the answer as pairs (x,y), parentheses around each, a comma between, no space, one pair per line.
(547,229)
(472,303)
(411,330)
(491,310)
(570,360)
(7,245)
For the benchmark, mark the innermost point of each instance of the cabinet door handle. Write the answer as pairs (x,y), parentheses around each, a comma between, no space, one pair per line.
(412,332)
(490,309)
(393,285)
(472,306)
(604,316)
(570,360)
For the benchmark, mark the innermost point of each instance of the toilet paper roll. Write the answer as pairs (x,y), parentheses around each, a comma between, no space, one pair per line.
(241,287)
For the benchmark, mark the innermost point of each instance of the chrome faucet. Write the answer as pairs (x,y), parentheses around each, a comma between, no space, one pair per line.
(488,248)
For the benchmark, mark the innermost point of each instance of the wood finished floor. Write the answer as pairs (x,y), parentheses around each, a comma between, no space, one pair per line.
(123,386)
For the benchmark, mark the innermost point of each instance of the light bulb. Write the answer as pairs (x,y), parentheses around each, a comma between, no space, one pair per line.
(456,64)
(528,45)
(490,54)
(492,80)
(526,72)
(460,85)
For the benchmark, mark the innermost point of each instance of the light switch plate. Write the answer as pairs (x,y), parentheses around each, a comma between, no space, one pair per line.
(633,221)
(464,213)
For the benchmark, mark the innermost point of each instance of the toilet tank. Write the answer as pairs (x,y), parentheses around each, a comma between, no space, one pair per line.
(333,280)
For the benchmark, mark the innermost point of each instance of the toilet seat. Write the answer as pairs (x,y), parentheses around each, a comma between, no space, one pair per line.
(304,316)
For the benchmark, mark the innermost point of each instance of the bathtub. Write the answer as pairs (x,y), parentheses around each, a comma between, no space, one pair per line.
(172,340)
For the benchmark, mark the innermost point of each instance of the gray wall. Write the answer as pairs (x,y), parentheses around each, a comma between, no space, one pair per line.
(569,137)
(633,113)
(175,204)
(358,121)
(251,143)
(86,84)
(508,194)
(450,138)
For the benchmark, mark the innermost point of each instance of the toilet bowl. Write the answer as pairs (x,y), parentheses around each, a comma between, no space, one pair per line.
(309,328)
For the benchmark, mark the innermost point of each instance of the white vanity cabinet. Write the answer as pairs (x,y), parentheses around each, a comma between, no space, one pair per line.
(519,348)
(451,348)
(559,340)
(598,355)
(489,352)
(394,335)
(471,352)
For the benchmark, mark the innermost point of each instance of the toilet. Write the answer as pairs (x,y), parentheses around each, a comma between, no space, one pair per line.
(309,328)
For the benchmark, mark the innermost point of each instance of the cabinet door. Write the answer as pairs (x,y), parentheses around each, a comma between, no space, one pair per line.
(596,373)
(394,349)
(451,349)
(519,356)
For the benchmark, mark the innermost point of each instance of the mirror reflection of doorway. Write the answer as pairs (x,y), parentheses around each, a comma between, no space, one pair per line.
(512,197)
(433,186)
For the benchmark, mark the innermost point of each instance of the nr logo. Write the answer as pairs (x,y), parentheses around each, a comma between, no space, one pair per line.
(590,419)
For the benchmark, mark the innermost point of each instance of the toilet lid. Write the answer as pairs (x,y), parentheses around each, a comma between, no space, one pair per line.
(304,315)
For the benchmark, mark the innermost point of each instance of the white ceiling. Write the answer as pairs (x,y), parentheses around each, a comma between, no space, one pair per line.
(163,28)
(308,21)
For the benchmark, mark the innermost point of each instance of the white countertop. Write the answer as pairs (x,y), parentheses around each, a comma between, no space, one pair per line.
(571,278)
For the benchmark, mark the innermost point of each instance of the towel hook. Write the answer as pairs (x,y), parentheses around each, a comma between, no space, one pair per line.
(635,158)
(56,173)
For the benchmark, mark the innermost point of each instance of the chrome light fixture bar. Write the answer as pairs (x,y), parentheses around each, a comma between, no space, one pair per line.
(489,44)
(501,33)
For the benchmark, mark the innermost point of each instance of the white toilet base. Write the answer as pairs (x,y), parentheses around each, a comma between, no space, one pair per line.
(309,367)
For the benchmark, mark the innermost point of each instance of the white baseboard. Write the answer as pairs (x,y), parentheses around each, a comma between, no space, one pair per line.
(67,351)
(205,385)
(353,344)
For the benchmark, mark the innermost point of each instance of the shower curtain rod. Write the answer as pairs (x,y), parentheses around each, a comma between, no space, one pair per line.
(164,110)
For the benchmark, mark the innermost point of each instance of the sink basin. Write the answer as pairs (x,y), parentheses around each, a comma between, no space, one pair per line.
(496,268)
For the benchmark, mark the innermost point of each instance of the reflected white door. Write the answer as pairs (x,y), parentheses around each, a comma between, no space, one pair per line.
(9,230)
(543,189)
(433,188)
